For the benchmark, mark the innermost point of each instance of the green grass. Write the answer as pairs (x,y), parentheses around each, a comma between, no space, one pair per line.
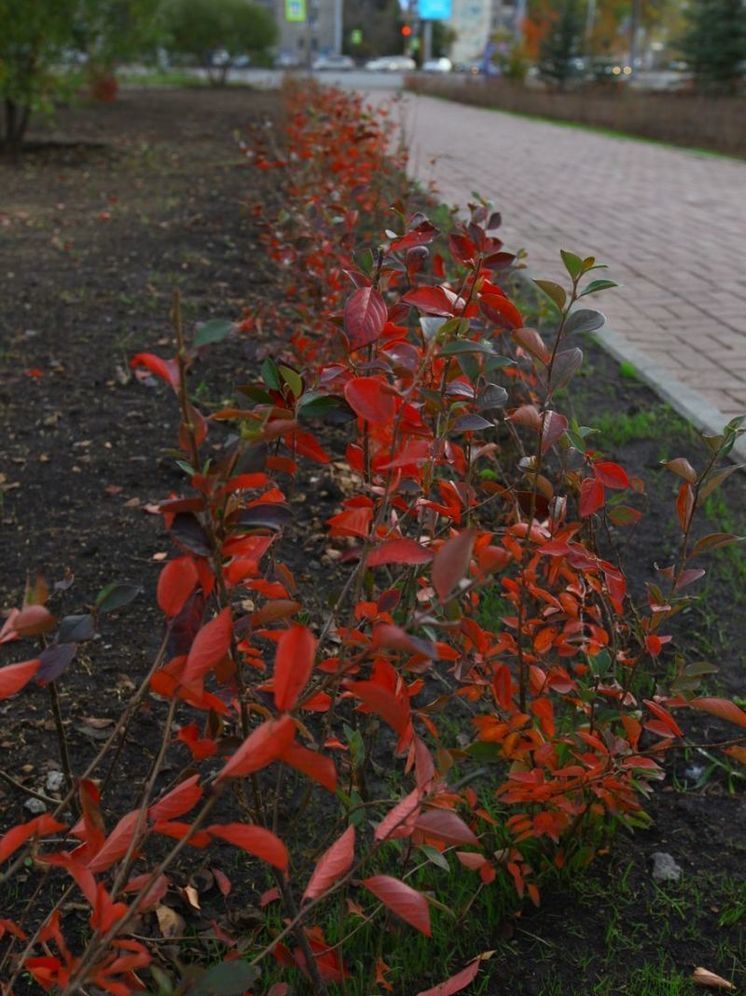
(620,428)
(172,78)
(628,371)
(624,136)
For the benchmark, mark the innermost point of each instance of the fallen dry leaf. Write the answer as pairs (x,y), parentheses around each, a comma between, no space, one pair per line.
(707,979)
(170,923)
(192,897)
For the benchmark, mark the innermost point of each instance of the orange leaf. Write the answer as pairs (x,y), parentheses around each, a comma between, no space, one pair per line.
(722,708)
(456,983)
(15,676)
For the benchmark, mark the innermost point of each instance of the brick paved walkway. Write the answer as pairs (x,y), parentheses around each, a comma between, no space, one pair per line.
(670,224)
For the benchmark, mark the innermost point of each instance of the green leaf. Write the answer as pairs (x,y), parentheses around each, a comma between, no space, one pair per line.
(601,663)
(466,346)
(328,407)
(293,380)
(573,263)
(598,285)
(434,856)
(482,750)
(215,330)
(271,374)
(584,320)
(230,978)
(553,291)
(116,595)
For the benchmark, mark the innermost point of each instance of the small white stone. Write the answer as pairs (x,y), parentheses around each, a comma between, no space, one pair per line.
(55,781)
(665,868)
(35,806)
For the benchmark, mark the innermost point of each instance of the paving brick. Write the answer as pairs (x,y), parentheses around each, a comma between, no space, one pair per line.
(670,225)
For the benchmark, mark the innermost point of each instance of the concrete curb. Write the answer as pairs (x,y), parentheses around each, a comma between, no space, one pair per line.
(688,403)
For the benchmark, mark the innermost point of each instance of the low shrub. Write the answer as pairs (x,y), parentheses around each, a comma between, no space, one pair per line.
(478,530)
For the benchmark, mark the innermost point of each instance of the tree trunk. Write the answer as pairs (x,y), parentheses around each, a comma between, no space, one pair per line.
(16,120)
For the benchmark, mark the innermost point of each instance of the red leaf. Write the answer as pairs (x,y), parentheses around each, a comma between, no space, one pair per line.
(167,370)
(209,648)
(665,717)
(371,399)
(223,882)
(682,468)
(255,840)
(15,676)
(317,766)
(500,310)
(422,235)
(335,862)
(612,475)
(452,562)
(399,551)
(456,982)
(29,621)
(365,316)
(430,300)
(446,826)
(401,899)
(382,702)
(532,342)
(553,429)
(722,708)
(178,801)
(260,748)
(296,650)
(116,844)
(177,581)
(592,496)
(400,821)
(17,836)
(685,505)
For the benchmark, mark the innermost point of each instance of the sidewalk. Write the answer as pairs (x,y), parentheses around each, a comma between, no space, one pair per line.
(670,224)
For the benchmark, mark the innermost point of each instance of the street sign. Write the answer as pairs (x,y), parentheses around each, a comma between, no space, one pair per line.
(356,36)
(435,10)
(295,10)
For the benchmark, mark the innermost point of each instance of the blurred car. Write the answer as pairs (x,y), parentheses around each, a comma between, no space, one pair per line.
(340,63)
(391,64)
(441,65)
(287,60)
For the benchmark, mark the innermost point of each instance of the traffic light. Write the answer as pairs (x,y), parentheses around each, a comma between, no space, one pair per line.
(406,30)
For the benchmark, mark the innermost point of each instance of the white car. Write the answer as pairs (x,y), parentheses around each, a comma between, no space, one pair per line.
(441,65)
(340,63)
(391,64)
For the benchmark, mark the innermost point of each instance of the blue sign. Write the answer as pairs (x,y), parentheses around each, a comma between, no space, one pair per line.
(435,10)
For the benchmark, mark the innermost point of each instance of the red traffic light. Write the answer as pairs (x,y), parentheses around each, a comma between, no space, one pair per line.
(406,30)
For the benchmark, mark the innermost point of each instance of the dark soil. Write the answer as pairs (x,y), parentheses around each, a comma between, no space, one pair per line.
(108,213)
